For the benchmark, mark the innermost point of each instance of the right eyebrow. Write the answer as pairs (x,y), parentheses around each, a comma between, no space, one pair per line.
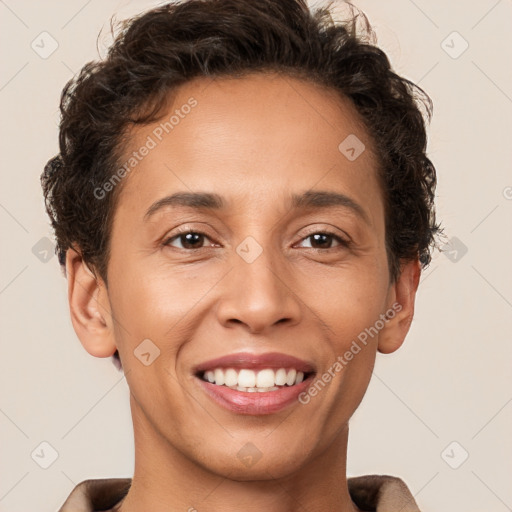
(199,200)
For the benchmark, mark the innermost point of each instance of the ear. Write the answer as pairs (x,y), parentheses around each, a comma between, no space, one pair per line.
(89,307)
(401,298)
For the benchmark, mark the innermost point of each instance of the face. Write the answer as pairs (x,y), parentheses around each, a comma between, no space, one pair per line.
(247,248)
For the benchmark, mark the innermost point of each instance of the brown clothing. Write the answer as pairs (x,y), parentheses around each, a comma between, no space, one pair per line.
(372,493)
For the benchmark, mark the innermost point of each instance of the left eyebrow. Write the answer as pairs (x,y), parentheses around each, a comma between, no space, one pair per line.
(328,199)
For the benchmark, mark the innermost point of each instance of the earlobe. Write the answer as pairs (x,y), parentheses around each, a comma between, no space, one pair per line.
(89,307)
(401,303)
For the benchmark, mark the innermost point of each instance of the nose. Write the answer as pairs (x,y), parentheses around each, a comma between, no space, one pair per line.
(258,295)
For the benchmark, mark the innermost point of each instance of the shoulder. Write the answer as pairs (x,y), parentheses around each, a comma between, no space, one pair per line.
(96,494)
(381,492)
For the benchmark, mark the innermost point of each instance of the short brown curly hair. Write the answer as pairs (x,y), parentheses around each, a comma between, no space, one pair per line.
(169,45)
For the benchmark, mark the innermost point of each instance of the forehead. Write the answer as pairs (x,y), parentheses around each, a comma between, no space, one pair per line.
(251,139)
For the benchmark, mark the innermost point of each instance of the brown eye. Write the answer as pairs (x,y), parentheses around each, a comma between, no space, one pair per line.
(188,240)
(323,240)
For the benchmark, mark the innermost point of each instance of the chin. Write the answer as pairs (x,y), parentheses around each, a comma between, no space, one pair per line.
(256,461)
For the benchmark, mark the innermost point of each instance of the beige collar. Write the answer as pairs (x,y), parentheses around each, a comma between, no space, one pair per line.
(377,493)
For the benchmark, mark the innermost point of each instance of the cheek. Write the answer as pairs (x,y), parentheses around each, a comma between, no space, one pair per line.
(349,301)
(149,301)
(151,308)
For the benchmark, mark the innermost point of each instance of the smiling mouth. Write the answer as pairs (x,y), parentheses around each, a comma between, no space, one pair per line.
(255,384)
(254,381)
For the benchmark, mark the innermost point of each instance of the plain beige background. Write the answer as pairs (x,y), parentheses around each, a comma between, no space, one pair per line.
(444,396)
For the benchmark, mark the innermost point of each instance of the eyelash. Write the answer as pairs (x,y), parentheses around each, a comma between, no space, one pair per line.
(343,242)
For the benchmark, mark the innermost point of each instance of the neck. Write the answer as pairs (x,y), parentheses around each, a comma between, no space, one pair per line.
(166,480)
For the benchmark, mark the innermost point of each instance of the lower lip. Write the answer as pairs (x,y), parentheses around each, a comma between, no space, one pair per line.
(256,403)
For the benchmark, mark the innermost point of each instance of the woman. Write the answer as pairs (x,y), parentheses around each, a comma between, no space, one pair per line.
(243,205)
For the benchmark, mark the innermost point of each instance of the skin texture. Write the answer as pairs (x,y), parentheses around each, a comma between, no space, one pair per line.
(254,140)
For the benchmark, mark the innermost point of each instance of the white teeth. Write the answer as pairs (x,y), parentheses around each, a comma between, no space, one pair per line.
(251,381)
(252,390)
(290,380)
(265,379)
(219,377)
(230,377)
(247,379)
(281,377)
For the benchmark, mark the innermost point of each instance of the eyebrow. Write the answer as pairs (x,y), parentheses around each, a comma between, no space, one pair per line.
(211,201)
(197,200)
(327,199)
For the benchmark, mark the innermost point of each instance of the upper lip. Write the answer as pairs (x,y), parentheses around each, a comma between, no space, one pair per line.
(249,360)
